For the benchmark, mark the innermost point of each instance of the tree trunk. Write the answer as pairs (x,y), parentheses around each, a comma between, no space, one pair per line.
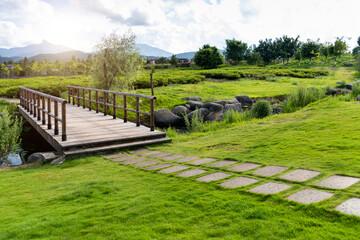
(310,61)
(335,61)
(152,84)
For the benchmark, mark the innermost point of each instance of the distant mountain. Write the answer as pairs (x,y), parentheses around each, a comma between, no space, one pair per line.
(188,55)
(32,50)
(147,50)
(64,56)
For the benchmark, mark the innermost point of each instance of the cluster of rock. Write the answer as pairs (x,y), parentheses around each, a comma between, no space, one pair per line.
(210,111)
(347,89)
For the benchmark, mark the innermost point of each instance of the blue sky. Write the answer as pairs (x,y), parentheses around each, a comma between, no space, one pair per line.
(175,25)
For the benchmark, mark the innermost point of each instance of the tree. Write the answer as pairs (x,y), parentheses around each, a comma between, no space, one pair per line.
(235,50)
(163,60)
(17,70)
(287,46)
(173,61)
(356,50)
(297,56)
(310,49)
(116,62)
(252,57)
(325,50)
(267,50)
(208,57)
(339,48)
(73,58)
(4,70)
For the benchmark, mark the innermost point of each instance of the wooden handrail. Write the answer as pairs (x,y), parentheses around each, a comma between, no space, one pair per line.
(74,93)
(35,103)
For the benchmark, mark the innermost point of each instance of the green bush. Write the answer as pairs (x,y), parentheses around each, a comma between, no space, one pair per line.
(341,84)
(355,91)
(195,123)
(261,109)
(231,116)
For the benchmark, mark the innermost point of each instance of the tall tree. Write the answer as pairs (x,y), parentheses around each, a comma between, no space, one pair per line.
(310,49)
(267,50)
(173,61)
(208,57)
(325,50)
(116,61)
(339,48)
(287,46)
(235,50)
(356,50)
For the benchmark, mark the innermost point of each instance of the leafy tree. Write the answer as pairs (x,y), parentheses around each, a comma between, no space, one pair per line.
(297,56)
(325,50)
(73,58)
(208,57)
(287,46)
(235,50)
(356,50)
(116,62)
(163,60)
(310,49)
(4,70)
(267,50)
(173,61)
(339,48)
(17,70)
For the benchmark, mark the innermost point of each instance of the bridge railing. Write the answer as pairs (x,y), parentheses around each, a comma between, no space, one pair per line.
(41,105)
(75,95)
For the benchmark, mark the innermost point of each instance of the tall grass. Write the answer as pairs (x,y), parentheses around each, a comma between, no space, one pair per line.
(195,123)
(301,97)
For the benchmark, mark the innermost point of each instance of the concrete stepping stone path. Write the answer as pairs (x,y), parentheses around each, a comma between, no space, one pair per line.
(269,171)
(115,155)
(213,177)
(300,175)
(239,182)
(308,196)
(203,161)
(192,172)
(159,155)
(270,188)
(149,153)
(350,206)
(147,163)
(338,182)
(140,150)
(173,157)
(188,159)
(123,158)
(136,160)
(156,167)
(174,169)
(244,167)
(223,163)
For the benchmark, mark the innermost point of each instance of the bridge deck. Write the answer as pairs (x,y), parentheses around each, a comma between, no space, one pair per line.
(90,130)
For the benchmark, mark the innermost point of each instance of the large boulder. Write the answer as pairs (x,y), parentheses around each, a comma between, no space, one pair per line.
(349,86)
(214,116)
(213,107)
(203,113)
(165,118)
(192,105)
(357,98)
(277,110)
(192,99)
(244,100)
(236,107)
(41,157)
(224,102)
(331,92)
(180,111)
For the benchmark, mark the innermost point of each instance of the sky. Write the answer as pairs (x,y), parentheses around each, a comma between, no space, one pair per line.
(175,25)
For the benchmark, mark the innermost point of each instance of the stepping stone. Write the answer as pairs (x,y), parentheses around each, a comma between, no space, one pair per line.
(244,167)
(307,196)
(213,177)
(115,155)
(269,170)
(156,167)
(188,159)
(149,153)
(173,157)
(300,175)
(238,182)
(270,187)
(136,160)
(140,150)
(123,158)
(191,173)
(223,163)
(147,163)
(350,206)
(174,169)
(203,161)
(338,182)
(159,155)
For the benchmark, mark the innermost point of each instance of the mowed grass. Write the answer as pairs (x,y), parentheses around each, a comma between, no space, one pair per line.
(95,198)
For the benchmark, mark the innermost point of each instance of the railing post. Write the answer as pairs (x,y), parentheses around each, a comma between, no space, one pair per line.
(105,106)
(137,112)
(90,104)
(78,96)
(63,121)
(49,111)
(125,110)
(43,111)
(152,117)
(30,103)
(114,106)
(73,95)
(69,94)
(56,131)
(34,99)
(97,101)
(38,108)
(83,98)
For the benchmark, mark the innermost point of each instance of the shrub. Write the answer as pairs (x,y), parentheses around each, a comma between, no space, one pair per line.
(195,123)
(261,109)
(355,91)
(231,116)
(341,84)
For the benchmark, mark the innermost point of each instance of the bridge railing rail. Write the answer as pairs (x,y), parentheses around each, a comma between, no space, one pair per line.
(77,94)
(41,105)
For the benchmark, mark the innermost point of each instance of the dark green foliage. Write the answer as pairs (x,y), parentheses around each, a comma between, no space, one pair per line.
(235,50)
(287,46)
(309,49)
(173,61)
(208,57)
(341,84)
(261,109)
(267,50)
(355,91)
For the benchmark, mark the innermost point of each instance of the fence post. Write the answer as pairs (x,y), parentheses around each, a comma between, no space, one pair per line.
(43,111)
(90,104)
(114,106)
(56,131)
(73,95)
(125,110)
(69,94)
(49,111)
(152,117)
(38,108)
(105,101)
(97,101)
(83,98)
(78,96)
(34,99)
(137,112)
(63,121)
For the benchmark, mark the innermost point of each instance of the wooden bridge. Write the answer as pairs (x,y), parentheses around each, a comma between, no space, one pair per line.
(76,126)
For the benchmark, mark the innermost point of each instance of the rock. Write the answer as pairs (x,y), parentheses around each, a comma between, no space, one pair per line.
(41,157)
(192,99)
(357,98)
(331,92)
(221,102)
(232,101)
(213,107)
(348,64)
(236,107)
(214,116)
(224,102)
(180,110)
(244,100)
(277,110)
(203,112)
(165,118)
(349,86)
(58,160)
(194,105)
